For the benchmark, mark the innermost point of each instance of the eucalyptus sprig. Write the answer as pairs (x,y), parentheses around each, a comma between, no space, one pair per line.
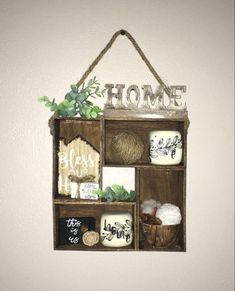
(76,101)
(115,193)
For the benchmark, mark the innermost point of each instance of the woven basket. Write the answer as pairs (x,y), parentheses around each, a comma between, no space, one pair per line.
(160,235)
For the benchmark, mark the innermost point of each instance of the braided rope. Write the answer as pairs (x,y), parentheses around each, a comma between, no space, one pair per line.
(138,49)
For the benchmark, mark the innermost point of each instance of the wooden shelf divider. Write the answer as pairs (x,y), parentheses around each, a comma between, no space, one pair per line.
(166,184)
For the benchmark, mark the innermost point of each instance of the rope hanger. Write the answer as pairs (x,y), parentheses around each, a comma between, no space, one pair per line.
(138,49)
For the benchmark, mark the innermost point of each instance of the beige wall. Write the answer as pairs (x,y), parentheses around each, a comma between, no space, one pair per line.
(44,47)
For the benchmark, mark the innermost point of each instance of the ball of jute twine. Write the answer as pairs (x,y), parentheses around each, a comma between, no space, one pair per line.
(127,147)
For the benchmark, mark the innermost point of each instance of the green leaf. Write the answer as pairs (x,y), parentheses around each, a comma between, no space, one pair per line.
(43,99)
(132,195)
(83,110)
(88,103)
(74,88)
(96,109)
(71,112)
(73,94)
(72,103)
(61,106)
(125,195)
(93,114)
(87,112)
(98,192)
(65,103)
(68,97)
(53,107)
(117,188)
(81,97)
(87,115)
(109,194)
(89,83)
(61,112)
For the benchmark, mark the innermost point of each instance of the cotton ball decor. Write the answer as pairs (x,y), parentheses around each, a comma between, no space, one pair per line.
(151,202)
(127,147)
(169,214)
(150,206)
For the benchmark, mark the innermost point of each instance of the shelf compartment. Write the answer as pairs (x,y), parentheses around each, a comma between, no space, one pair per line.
(142,128)
(79,140)
(166,187)
(85,210)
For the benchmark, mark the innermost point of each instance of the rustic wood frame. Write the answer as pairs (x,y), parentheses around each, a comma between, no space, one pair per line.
(170,185)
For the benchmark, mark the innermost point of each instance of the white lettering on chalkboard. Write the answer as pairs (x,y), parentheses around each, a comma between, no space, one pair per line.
(74,225)
(72,222)
(74,240)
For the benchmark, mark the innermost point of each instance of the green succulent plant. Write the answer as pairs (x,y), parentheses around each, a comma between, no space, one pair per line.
(76,101)
(115,193)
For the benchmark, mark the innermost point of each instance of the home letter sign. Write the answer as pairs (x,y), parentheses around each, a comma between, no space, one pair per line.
(149,101)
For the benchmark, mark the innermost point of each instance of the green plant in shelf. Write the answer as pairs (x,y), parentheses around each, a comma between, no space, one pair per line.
(115,193)
(76,101)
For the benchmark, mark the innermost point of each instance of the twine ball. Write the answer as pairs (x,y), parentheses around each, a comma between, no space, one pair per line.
(169,214)
(90,238)
(127,147)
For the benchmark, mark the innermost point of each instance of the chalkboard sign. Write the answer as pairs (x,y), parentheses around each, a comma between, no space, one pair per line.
(71,229)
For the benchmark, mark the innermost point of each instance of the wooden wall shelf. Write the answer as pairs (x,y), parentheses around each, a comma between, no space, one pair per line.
(163,183)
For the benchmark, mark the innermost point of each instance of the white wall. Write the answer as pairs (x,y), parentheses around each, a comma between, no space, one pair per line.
(47,45)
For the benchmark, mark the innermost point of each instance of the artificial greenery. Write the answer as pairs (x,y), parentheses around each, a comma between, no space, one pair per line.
(115,193)
(76,101)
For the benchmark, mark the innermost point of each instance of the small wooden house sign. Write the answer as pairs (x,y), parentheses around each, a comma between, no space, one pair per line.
(78,159)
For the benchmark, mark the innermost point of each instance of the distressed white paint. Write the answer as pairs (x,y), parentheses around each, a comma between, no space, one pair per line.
(148,102)
(79,159)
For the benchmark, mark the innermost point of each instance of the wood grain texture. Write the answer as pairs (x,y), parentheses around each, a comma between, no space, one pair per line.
(142,128)
(90,210)
(166,184)
(67,130)
(77,158)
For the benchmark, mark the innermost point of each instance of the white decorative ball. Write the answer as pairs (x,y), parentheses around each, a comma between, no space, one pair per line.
(169,214)
(149,206)
(147,209)
(151,202)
